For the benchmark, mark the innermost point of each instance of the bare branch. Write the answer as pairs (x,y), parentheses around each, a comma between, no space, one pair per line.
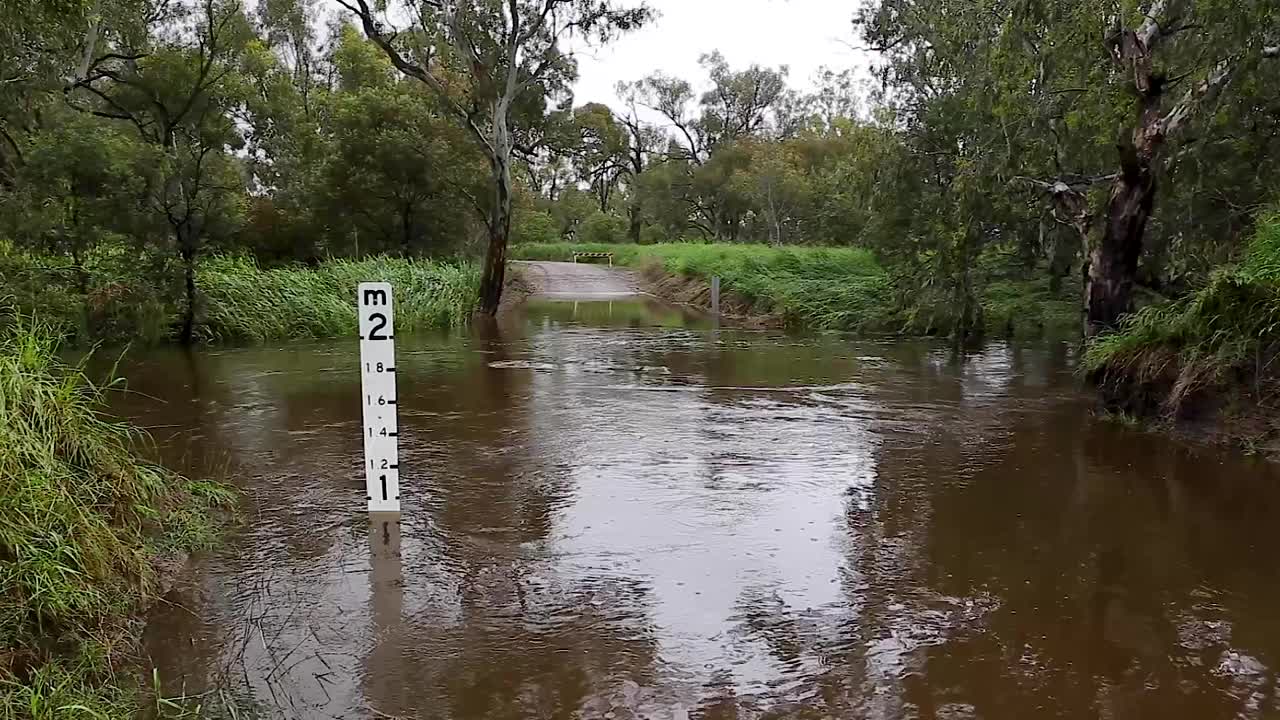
(90,42)
(1150,31)
(1204,90)
(886,47)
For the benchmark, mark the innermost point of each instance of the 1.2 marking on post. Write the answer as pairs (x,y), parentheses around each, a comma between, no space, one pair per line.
(378,397)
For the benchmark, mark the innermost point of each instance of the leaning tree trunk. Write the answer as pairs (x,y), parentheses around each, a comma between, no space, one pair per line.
(495,261)
(1113,259)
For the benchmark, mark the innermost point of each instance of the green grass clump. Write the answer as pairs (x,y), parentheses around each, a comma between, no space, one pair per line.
(244,303)
(82,517)
(822,288)
(1229,330)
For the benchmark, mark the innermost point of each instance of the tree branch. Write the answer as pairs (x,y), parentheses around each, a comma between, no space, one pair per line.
(1150,32)
(90,42)
(1181,112)
(374,32)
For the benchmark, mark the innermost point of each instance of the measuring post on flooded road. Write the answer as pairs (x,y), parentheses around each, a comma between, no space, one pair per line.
(378,396)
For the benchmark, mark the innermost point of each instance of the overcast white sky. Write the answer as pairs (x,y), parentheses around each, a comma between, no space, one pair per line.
(802,34)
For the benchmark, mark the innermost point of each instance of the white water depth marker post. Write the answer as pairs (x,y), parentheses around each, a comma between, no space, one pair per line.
(378,397)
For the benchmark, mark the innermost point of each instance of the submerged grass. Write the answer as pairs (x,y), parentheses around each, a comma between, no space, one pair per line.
(238,301)
(1227,334)
(821,288)
(245,303)
(82,519)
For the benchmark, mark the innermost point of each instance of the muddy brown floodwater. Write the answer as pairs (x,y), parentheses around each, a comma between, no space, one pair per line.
(614,510)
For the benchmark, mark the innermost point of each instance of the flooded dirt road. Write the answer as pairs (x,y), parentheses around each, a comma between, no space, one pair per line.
(577,281)
(613,510)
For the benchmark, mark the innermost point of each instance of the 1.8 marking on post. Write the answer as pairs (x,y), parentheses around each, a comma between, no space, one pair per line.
(378,397)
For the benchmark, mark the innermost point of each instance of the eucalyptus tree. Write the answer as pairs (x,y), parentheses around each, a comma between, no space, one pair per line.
(38,53)
(643,141)
(290,28)
(1176,59)
(1097,104)
(175,80)
(599,151)
(483,59)
(739,104)
(80,185)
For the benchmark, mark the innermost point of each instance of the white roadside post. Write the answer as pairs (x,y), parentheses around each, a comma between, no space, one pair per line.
(378,397)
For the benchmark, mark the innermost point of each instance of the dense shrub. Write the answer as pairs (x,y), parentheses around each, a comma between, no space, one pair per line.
(534,227)
(603,228)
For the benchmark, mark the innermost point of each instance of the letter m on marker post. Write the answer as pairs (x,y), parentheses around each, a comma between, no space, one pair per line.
(375,297)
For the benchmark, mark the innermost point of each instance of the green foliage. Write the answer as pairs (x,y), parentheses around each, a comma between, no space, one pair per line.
(623,254)
(407,169)
(1030,308)
(652,235)
(823,288)
(603,228)
(570,210)
(123,302)
(81,519)
(1262,260)
(534,227)
(245,303)
(1228,329)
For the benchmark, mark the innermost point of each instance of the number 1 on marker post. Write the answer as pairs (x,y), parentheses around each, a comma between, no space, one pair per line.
(378,397)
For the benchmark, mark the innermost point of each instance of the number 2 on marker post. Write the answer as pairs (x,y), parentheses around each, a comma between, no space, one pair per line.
(378,391)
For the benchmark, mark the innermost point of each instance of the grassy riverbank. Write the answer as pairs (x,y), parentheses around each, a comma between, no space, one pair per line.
(238,301)
(83,521)
(822,288)
(1214,354)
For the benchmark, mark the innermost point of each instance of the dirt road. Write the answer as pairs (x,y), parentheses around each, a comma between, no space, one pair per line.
(583,281)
